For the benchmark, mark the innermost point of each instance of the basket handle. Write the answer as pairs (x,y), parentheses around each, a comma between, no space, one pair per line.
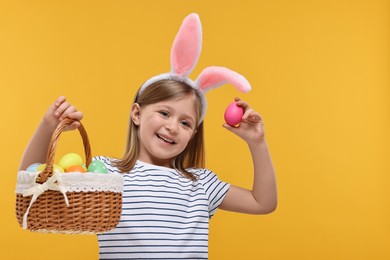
(48,171)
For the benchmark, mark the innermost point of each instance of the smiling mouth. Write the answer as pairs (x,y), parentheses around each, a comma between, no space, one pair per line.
(165,139)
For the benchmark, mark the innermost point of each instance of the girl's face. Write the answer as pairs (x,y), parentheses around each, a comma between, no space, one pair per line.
(165,128)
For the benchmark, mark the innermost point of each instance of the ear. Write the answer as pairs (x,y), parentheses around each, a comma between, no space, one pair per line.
(195,131)
(135,113)
(187,46)
(214,76)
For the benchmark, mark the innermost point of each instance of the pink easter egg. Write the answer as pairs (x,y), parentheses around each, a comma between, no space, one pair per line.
(233,114)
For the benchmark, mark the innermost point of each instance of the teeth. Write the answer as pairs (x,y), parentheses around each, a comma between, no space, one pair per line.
(165,139)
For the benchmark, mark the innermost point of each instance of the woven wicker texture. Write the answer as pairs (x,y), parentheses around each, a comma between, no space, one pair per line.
(87,213)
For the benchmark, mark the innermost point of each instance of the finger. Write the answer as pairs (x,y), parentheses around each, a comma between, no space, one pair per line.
(249,112)
(242,104)
(232,129)
(53,107)
(252,116)
(255,118)
(60,100)
(69,110)
(62,108)
(77,115)
(74,125)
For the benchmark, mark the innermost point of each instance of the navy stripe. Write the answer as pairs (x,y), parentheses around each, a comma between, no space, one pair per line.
(159,258)
(164,227)
(167,221)
(162,203)
(158,186)
(190,199)
(169,209)
(156,233)
(126,246)
(155,252)
(162,215)
(153,239)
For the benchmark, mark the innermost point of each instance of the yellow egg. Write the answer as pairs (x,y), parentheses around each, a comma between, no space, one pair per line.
(41,167)
(70,159)
(56,168)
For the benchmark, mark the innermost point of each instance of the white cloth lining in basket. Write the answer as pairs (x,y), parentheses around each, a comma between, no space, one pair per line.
(66,182)
(75,181)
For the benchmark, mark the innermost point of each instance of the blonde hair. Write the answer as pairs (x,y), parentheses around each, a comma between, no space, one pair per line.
(193,155)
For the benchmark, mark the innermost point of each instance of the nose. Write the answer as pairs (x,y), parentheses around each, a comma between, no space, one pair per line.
(172,126)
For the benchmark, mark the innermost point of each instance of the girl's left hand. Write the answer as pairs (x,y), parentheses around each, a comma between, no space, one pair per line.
(251,128)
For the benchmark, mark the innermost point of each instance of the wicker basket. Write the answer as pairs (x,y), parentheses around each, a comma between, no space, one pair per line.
(70,203)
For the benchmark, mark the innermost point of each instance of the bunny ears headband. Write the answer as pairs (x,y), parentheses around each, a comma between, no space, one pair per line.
(184,57)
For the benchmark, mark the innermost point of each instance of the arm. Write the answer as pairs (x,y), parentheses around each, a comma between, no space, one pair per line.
(262,199)
(36,150)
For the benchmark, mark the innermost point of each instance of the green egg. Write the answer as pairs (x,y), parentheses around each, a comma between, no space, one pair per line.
(97,166)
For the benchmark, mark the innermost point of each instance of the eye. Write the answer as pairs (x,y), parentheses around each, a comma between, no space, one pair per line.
(185,123)
(164,113)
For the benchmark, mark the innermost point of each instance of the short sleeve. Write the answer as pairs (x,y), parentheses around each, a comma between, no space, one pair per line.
(215,189)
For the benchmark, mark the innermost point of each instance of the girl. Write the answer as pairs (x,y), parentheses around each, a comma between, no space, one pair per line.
(169,196)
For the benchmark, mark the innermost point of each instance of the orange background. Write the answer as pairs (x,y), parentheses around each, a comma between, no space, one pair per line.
(320,77)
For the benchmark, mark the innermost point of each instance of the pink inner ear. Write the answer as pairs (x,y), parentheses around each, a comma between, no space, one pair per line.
(187,46)
(214,76)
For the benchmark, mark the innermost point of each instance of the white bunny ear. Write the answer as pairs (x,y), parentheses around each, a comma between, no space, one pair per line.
(213,77)
(187,46)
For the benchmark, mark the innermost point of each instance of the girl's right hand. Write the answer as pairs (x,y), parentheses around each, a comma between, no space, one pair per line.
(60,110)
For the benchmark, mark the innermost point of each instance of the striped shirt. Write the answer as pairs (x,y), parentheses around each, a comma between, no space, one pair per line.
(164,214)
